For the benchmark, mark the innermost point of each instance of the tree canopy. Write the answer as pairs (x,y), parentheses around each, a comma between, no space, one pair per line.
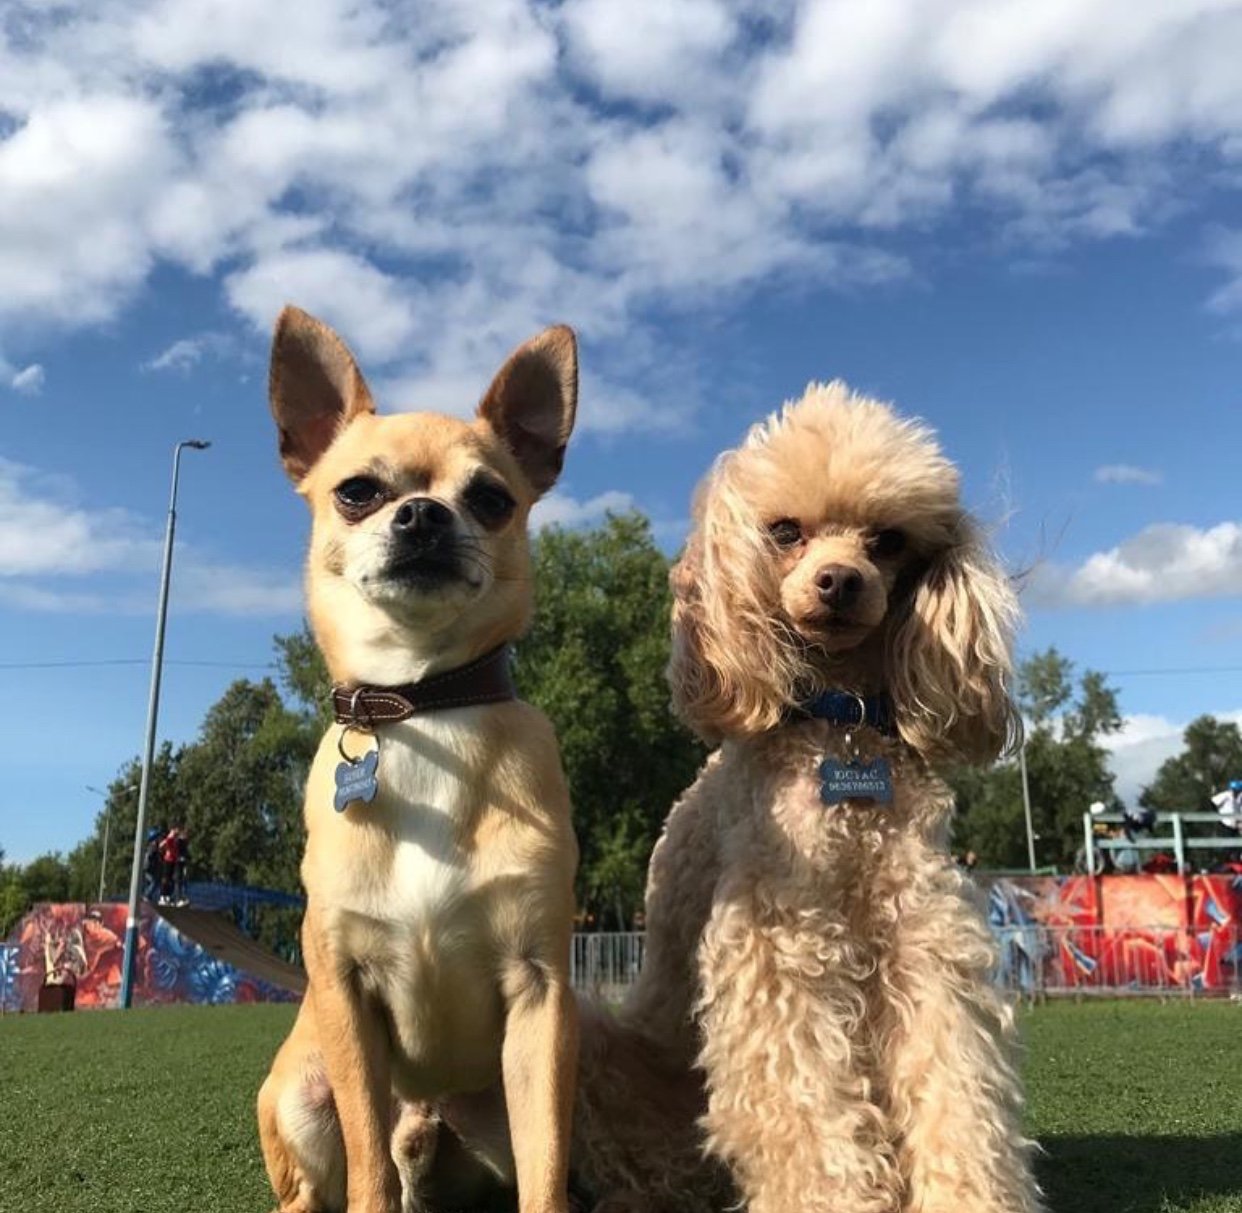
(1210,758)
(1067,769)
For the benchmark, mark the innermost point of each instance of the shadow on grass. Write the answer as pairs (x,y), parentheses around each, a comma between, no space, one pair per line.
(1138,1174)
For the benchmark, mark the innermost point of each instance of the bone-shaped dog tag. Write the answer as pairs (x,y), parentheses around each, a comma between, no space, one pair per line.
(855,780)
(356,779)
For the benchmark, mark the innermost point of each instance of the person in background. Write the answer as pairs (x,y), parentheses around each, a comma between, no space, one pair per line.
(168,865)
(1229,804)
(152,872)
(1126,860)
(183,860)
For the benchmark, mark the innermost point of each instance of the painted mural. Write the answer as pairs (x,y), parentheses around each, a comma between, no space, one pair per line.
(1117,932)
(83,945)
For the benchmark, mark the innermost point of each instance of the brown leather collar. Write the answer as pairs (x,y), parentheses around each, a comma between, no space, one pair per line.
(486,680)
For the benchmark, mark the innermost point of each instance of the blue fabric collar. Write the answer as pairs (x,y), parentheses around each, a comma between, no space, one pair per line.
(847,709)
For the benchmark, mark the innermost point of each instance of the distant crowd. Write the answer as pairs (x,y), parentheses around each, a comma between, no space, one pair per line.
(164,865)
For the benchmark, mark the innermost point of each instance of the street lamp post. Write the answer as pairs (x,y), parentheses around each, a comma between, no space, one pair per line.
(1026,805)
(103,863)
(153,706)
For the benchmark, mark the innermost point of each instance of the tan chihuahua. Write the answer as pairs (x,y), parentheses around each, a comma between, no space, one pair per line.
(440,857)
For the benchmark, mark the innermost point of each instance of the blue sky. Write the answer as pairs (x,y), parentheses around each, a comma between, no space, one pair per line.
(1020,222)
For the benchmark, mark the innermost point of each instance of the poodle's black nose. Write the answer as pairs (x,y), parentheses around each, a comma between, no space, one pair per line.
(839,585)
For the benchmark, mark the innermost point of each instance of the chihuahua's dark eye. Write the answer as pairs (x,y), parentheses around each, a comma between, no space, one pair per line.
(490,502)
(785,532)
(359,496)
(886,544)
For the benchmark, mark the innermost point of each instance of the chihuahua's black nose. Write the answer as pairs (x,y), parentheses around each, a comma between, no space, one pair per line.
(839,585)
(422,516)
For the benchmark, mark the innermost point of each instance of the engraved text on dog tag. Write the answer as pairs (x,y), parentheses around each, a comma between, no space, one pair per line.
(855,780)
(356,779)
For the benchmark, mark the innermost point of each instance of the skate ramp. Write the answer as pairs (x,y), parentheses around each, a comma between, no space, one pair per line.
(219,936)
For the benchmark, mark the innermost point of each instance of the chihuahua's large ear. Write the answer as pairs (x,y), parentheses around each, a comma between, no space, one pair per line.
(532,401)
(314,387)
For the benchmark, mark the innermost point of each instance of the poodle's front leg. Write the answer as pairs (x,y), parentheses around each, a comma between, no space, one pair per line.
(790,1107)
(954,1095)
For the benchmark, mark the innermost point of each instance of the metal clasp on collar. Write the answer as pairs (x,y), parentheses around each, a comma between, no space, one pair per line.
(357,724)
(862,707)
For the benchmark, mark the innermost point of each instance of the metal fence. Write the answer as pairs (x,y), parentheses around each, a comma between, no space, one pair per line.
(604,964)
(1034,961)
(1165,961)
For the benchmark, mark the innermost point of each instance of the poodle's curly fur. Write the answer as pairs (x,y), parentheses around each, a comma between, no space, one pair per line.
(816,981)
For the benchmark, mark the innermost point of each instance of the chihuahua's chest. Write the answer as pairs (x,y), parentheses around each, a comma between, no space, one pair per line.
(409,910)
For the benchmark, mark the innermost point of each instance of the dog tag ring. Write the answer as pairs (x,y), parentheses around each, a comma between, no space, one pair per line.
(855,780)
(357,779)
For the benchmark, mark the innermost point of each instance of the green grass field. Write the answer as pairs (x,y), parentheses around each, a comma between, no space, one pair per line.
(1139,1107)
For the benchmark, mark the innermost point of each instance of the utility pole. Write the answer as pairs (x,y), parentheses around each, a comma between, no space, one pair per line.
(1026,805)
(148,753)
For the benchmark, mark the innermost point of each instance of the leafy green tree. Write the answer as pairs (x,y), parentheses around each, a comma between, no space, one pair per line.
(240,787)
(1210,758)
(13,903)
(594,662)
(1067,769)
(13,899)
(46,878)
(304,675)
(43,879)
(120,813)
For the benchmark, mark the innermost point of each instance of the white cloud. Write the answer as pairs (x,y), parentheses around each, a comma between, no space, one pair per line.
(370,308)
(1164,562)
(443,186)
(1142,744)
(183,355)
(560,509)
(47,538)
(29,381)
(649,50)
(74,180)
(44,534)
(1127,473)
(205,587)
(1225,252)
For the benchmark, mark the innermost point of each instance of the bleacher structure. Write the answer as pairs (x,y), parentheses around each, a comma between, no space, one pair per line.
(1178,841)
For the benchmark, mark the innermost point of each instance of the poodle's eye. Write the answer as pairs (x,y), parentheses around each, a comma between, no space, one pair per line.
(886,544)
(785,532)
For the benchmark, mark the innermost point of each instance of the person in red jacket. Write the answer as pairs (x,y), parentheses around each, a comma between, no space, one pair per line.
(169,847)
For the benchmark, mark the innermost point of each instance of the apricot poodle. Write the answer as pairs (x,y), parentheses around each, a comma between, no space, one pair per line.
(816,988)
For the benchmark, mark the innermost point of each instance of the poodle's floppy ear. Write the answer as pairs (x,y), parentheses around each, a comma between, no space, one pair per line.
(950,660)
(532,402)
(728,671)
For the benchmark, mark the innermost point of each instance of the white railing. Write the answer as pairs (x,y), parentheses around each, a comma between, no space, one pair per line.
(606,963)
(1094,848)
(1034,961)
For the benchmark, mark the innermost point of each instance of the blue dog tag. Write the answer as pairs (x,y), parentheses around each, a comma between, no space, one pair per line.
(356,780)
(855,780)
